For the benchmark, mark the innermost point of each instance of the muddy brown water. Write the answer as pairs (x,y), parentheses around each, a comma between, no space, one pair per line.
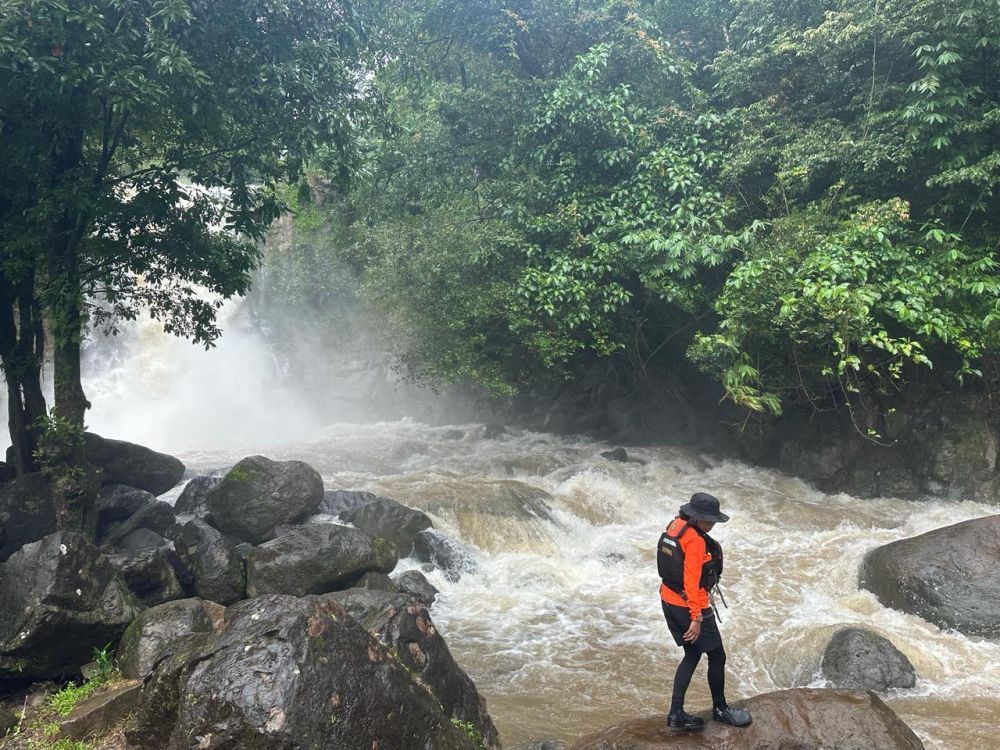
(561,627)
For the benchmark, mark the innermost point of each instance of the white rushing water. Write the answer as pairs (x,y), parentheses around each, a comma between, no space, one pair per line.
(561,627)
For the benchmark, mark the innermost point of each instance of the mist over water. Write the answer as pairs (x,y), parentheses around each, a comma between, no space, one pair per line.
(560,626)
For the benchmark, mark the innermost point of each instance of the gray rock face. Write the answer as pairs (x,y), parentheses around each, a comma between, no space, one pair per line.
(153,632)
(157,517)
(211,560)
(336,502)
(377,582)
(133,465)
(441,551)
(415,583)
(141,539)
(315,559)
(117,502)
(59,598)
(149,574)
(390,520)
(799,719)
(857,659)
(26,513)
(258,494)
(268,682)
(947,576)
(405,626)
(193,500)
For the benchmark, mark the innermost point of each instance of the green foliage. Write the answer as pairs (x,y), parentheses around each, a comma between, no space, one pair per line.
(61,439)
(64,701)
(470,730)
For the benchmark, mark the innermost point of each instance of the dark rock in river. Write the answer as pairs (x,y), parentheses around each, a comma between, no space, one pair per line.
(316,558)
(59,598)
(117,502)
(405,627)
(149,574)
(289,673)
(26,513)
(798,719)
(857,659)
(390,520)
(440,550)
(217,570)
(258,494)
(133,465)
(156,629)
(157,516)
(618,454)
(415,583)
(493,431)
(193,500)
(947,576)
(336,502)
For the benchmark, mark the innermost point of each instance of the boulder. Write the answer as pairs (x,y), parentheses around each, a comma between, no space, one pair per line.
(141,539)
(26,513)
(794,719)
(405,627)
(858,659)
(7,721)
(316,558)
(156,516)
(947,576)
(59,599)
(440,550)
(493,431)
(98,713)
(285,673)
(117,502)
(414,583)
(133,465)
(377,582)
(149,574)
(193,500)
(618,454)
(258,494)
(155,629)
(336,502)
(217,571)
(390,520)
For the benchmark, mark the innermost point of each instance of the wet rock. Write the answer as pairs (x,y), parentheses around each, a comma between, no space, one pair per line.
(59,599)
(100,712)
(258,494)
(785,720)
(217,570)
(451,434)
(117,502)
(390,520)
(7,721)
(26,513)
(316,558)
(157,517)
(857,659)
(156,629)
(133,465)
(336,502)
(377,582)
(193,500)
(415,583)
(541,745)
(493,431)
(149,574)
(449,555)
(266,683)
(7,472)
(947,576)
(618,454)
(141,539)
(405,627)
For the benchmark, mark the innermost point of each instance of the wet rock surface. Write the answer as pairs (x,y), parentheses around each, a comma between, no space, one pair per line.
(117,502)
(858,659)
(404,626)
(215,568)
(156,516)
(193,500)
(337,502)
(133,465)
(155,629)
(441,551)
(59,599)
(798,719)
(415,583)
(390,520)
(316,558)
(266,683)
(26,513)
(947,576)
(149,574)
(258,494)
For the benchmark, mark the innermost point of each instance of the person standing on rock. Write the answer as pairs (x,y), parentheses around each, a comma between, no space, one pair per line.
(690,564)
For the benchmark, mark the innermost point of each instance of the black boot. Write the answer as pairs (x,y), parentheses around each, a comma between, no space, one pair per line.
(680,719)
(734,717)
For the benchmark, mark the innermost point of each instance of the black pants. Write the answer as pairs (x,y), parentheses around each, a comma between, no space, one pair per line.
(710,642)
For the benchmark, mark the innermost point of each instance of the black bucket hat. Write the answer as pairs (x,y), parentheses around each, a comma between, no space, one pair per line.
(704,507)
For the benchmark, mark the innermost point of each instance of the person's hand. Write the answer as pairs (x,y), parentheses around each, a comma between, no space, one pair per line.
(692,632)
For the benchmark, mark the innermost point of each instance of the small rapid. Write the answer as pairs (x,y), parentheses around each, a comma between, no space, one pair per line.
(559,625)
